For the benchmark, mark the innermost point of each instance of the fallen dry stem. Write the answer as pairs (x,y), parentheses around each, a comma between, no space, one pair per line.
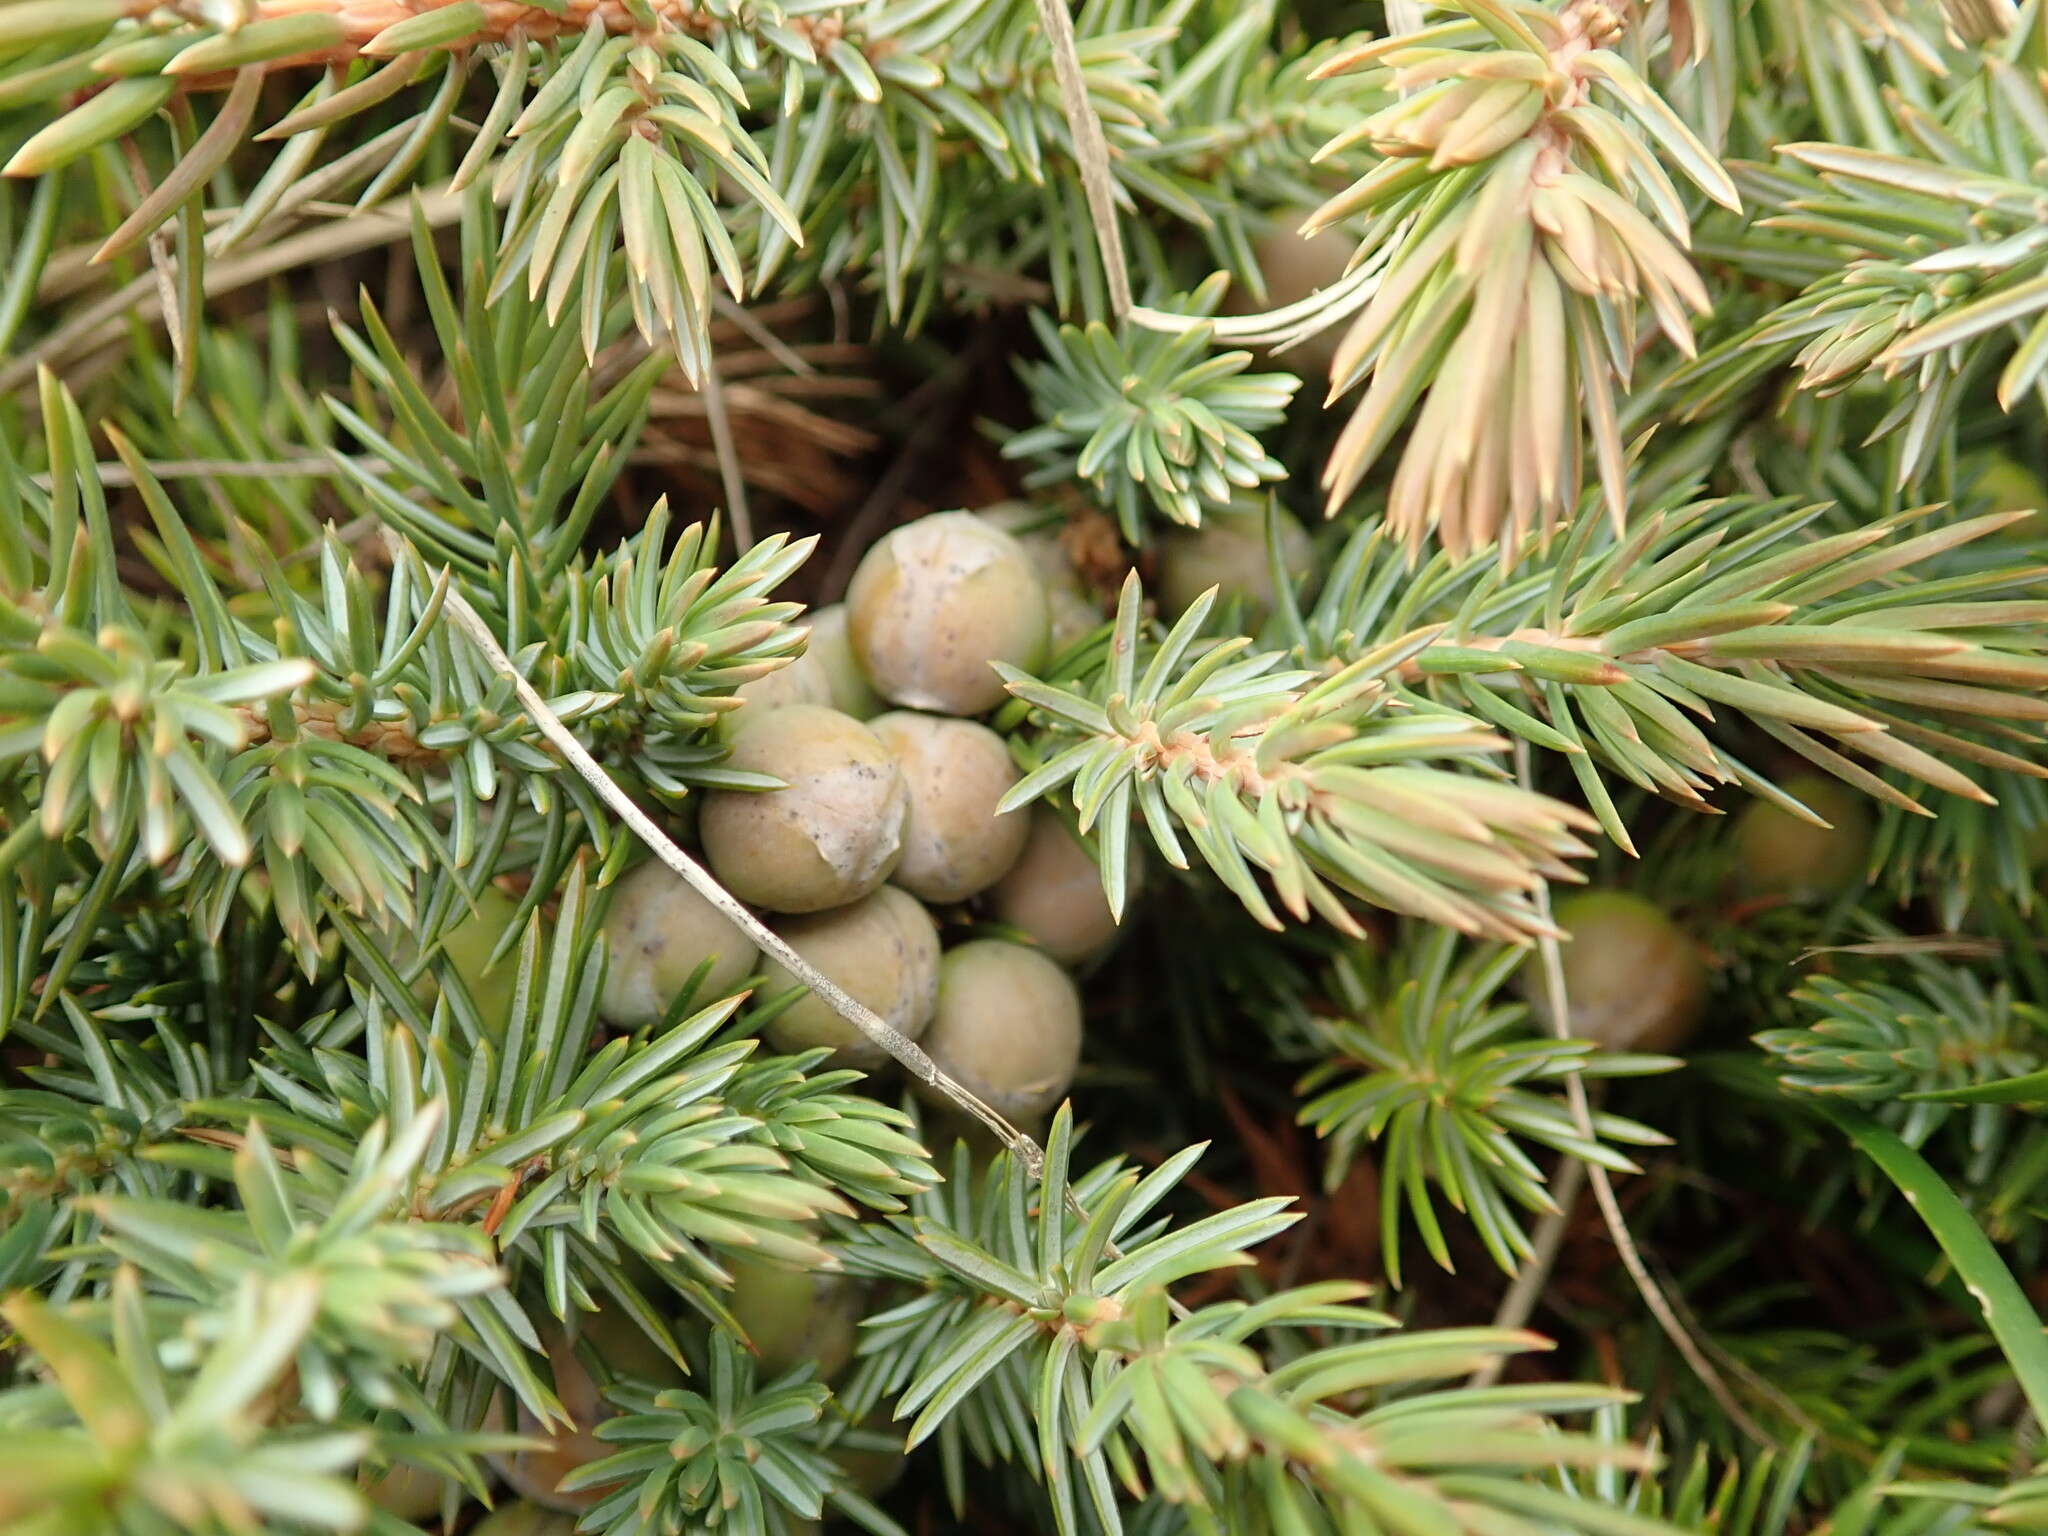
(1556,1002)
(140,301)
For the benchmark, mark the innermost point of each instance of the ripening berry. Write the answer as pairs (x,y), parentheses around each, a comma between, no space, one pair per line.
(406,1491)
(884,950)
(624,1346)
(828,838)
(1008,1026)
(520,1518)
(954,842)
(1778,854)
(935,602)
(537,1474)
(1054,893)
(1634,980)
(659,931)
(1229,552)
(794,1315)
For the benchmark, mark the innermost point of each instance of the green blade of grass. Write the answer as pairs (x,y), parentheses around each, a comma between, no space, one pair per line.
(2007,1312)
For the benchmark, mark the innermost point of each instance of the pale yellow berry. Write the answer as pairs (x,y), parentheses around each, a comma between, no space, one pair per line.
(1228,551)
(884,950)
(659,931)
(1054,893)
(935,603)
(1074,618)
(803,681)
(1634,980)
(828,838)
(954,841)
(1008,1026)
(1038,532)
(826,673)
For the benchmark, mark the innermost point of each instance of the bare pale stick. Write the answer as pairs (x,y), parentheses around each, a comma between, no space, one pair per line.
(1091,150)
(1556,1000)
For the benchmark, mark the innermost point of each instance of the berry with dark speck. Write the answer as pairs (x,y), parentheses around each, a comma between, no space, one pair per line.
(955,843)
(831,836)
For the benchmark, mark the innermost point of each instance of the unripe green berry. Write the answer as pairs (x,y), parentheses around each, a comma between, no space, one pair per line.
(2034,845)
(1054,893)
(884,951)
(1228,552)
(794,1315)
(1633,979)
(1008,1026)
(659,931)
(847,686)
(465,948)
(872,1468)
(828,838)
(2008,485)
(954,841)
(935,602)
(521,1518)
(803,681)
(1778,854)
